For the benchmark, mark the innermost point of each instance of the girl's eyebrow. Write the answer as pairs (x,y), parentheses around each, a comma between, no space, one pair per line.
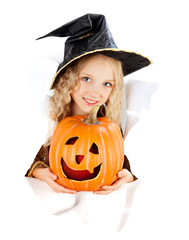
(111,80)
(83,73)
(88,74)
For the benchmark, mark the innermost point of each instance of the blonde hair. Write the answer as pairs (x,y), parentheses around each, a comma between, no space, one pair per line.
(67,82)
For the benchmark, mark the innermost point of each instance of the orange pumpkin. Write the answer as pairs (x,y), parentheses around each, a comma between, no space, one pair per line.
(86,153)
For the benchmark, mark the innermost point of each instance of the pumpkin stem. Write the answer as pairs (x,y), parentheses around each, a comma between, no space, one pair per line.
(92,116)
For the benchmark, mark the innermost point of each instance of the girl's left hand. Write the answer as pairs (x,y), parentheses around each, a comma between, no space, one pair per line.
(124,176)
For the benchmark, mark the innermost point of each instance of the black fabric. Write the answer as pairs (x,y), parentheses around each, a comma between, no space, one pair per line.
(88,34)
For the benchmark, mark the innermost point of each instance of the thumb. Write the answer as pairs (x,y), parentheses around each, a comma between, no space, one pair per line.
(52,176)
(122,173)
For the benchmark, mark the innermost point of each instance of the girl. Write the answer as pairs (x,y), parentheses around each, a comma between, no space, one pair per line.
(91,74)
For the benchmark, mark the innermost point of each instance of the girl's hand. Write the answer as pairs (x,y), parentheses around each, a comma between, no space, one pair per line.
(124,177)
(49,177)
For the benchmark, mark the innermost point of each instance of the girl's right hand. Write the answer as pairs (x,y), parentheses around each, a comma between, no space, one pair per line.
(49,177)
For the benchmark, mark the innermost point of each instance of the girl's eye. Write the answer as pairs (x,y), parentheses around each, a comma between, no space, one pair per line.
(107,84)
(86,79)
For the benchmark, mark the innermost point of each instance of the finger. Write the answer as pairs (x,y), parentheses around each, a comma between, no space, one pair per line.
(59,188)
(62,189)
(116,185)
(126,175)
(103,192)
(52,176)
(70,191)
(113,187)
(123,173)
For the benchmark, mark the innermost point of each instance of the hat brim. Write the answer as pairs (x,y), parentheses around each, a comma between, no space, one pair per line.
(131,61)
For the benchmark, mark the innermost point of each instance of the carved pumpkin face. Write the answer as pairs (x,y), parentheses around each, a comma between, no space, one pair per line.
(75,174)
(86,156)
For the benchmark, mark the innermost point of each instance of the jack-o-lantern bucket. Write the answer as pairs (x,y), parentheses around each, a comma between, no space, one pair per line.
(86,153)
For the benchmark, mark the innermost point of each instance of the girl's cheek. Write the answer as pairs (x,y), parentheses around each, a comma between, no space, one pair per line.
(107,93)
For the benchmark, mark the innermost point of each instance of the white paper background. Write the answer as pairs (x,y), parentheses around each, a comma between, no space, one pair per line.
(157,29)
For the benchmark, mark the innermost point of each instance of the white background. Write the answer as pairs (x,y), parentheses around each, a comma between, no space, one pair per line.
(157,29)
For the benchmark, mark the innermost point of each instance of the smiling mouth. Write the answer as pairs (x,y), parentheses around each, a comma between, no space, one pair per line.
(89,101)
(79,175)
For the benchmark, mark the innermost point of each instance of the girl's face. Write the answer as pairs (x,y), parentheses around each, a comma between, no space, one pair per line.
(96,83)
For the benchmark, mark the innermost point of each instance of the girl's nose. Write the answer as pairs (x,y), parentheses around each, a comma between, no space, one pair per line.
(96,91)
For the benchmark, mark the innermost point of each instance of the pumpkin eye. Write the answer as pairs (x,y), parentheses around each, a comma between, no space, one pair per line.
(94,149)
(71,141)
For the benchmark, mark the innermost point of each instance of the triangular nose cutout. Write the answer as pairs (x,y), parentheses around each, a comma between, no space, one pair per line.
(79,158)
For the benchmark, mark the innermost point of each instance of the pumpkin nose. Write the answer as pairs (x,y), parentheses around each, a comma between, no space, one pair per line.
(79,158)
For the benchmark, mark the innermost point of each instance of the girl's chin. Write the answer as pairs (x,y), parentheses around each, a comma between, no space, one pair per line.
(84,111)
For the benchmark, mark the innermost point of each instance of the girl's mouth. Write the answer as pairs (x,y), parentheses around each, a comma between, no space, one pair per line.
(90,102)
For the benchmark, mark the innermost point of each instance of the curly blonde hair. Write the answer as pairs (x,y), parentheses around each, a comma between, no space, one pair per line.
(67,82)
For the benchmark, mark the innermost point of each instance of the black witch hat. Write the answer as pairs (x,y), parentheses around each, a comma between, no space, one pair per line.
(90,34)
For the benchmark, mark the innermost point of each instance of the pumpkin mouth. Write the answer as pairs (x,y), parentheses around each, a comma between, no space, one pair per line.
(79,175)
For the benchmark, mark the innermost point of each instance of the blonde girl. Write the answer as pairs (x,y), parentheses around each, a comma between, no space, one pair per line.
(84,79)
